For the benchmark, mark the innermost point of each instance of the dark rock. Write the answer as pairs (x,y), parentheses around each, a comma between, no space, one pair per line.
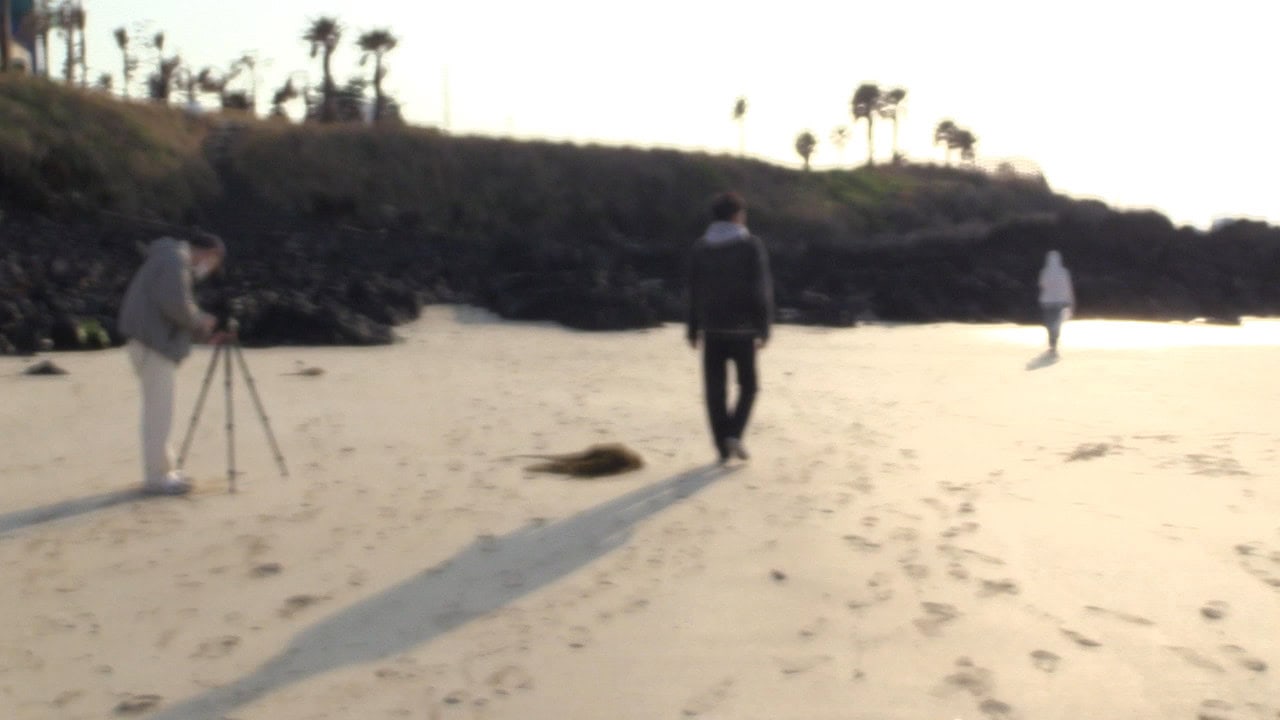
(44,367)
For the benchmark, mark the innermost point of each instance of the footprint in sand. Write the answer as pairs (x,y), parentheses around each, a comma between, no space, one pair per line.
(1244,659)
(216,648)
(966,528)
(1256,561)
(137,704)
(457,697)
(510,680)
(857,542)
(935,616)
(298,603)
(266,570)
(995,708)
(958,571)
(879,590)
(1090,451)
(1216,710)
(577,637)
(970,678)
(709,699)
(67,698)
(1045,661)
(1124,617)
(813,629)
(905,535)
(12,658)
(915,571)
(799,665)
(1215,610)
(991,588)
(937,505)
(1196,659)
(1080,640)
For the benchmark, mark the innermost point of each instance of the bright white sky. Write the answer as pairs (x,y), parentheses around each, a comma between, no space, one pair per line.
(1142,104)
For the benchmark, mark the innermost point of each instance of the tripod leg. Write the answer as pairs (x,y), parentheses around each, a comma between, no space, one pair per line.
(262,413)
(231,427)
(195,415)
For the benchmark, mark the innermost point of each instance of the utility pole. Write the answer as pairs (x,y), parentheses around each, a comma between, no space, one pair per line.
(446,110)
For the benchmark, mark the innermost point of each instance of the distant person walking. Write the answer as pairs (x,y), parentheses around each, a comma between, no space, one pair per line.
(730,313)
(161,319)
(1057,297)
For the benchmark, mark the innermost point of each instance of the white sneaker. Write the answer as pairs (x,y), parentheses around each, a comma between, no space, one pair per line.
(171,484)
(735,448)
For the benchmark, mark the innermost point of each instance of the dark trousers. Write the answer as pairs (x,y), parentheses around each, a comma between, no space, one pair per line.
(718,352)
(1053,321)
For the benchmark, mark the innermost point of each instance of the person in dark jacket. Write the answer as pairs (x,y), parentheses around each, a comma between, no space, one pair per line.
(730,313)
(160,317)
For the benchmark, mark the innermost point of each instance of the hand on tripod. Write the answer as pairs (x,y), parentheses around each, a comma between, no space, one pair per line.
(230,336)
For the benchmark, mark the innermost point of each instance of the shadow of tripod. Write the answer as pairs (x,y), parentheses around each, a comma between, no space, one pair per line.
(224,351)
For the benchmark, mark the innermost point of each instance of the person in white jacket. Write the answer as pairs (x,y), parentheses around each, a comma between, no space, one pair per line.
(1057,296)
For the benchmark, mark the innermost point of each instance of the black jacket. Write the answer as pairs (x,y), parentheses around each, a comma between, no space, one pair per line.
(730,288)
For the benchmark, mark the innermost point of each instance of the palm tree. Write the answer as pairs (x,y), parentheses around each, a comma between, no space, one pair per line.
(248,61)
(964,141)
(324,35)
(286,93)
(943,134)
(157,42)
(79,18)
(740,117)
(890,109)
(69,19)
(805,143)
(162,81)
(129,63)
(193,83)
(377,44)
(840,138)
(867,102)
(43,26)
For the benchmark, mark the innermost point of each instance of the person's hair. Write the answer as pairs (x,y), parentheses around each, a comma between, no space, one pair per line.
(727,205)
(202,240)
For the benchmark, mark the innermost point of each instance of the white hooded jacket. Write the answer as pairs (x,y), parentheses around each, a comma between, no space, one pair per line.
(1055,282)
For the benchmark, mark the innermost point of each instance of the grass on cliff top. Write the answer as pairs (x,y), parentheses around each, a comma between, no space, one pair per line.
(70,150)
(66,150)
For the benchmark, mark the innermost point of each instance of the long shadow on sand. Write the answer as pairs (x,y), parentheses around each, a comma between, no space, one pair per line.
(21,519)
(481,578)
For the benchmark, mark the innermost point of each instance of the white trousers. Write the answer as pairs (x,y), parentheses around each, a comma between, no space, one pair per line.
(156,374)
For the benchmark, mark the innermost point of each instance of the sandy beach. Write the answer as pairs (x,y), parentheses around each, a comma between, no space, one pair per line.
(936,524)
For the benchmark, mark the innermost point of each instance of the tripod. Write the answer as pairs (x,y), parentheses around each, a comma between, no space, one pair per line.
(224,351)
